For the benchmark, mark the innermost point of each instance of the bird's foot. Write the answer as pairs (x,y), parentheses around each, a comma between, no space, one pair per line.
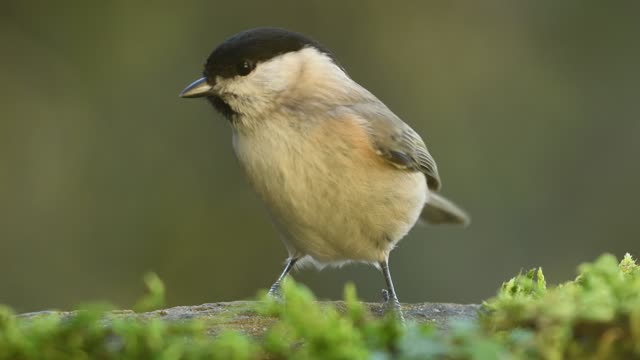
(392,306)
(275,293)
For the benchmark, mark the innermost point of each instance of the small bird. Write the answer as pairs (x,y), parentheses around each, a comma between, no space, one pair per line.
(343,178)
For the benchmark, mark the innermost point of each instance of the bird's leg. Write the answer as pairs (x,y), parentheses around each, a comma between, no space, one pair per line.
(274,291)
(390,298)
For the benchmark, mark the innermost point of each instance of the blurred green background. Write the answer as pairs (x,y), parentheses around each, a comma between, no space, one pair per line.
(531,109)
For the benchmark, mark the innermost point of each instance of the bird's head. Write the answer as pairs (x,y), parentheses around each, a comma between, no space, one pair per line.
(257,70)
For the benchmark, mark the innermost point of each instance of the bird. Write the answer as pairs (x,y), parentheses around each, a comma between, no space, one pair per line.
(343,178)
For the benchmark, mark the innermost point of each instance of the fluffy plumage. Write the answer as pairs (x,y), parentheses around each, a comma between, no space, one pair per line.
(343,177)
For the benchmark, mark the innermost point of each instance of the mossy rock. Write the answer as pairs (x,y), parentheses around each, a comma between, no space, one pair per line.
(241,316)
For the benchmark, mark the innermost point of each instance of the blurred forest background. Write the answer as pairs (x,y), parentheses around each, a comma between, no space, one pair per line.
(531,109)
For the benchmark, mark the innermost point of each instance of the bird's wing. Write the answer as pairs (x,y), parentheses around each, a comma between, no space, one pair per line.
(397,142)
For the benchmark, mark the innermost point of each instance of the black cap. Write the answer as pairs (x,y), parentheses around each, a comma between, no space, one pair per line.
(254,46)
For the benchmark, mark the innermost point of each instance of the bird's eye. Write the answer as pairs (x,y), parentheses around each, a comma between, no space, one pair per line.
(245,67)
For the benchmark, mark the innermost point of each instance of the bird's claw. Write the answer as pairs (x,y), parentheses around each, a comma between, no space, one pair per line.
(392,306)
(274,293)
(385,296)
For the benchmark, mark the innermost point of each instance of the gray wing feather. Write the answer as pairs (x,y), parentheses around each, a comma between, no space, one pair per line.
(397,142)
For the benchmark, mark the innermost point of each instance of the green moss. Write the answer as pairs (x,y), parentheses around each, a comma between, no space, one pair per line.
(595,316)
(155,297)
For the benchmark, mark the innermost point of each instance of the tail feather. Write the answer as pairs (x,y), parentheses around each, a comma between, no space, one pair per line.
(439,210)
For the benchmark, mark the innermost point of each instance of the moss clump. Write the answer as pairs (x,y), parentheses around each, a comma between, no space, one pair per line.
(595,316)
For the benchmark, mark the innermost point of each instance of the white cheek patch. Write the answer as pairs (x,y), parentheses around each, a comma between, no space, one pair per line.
(275,75)
(261,82)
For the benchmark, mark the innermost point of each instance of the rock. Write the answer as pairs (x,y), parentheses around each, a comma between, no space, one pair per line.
(240,316)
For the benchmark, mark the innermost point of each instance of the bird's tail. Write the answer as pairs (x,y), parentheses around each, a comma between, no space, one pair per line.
(439,210)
